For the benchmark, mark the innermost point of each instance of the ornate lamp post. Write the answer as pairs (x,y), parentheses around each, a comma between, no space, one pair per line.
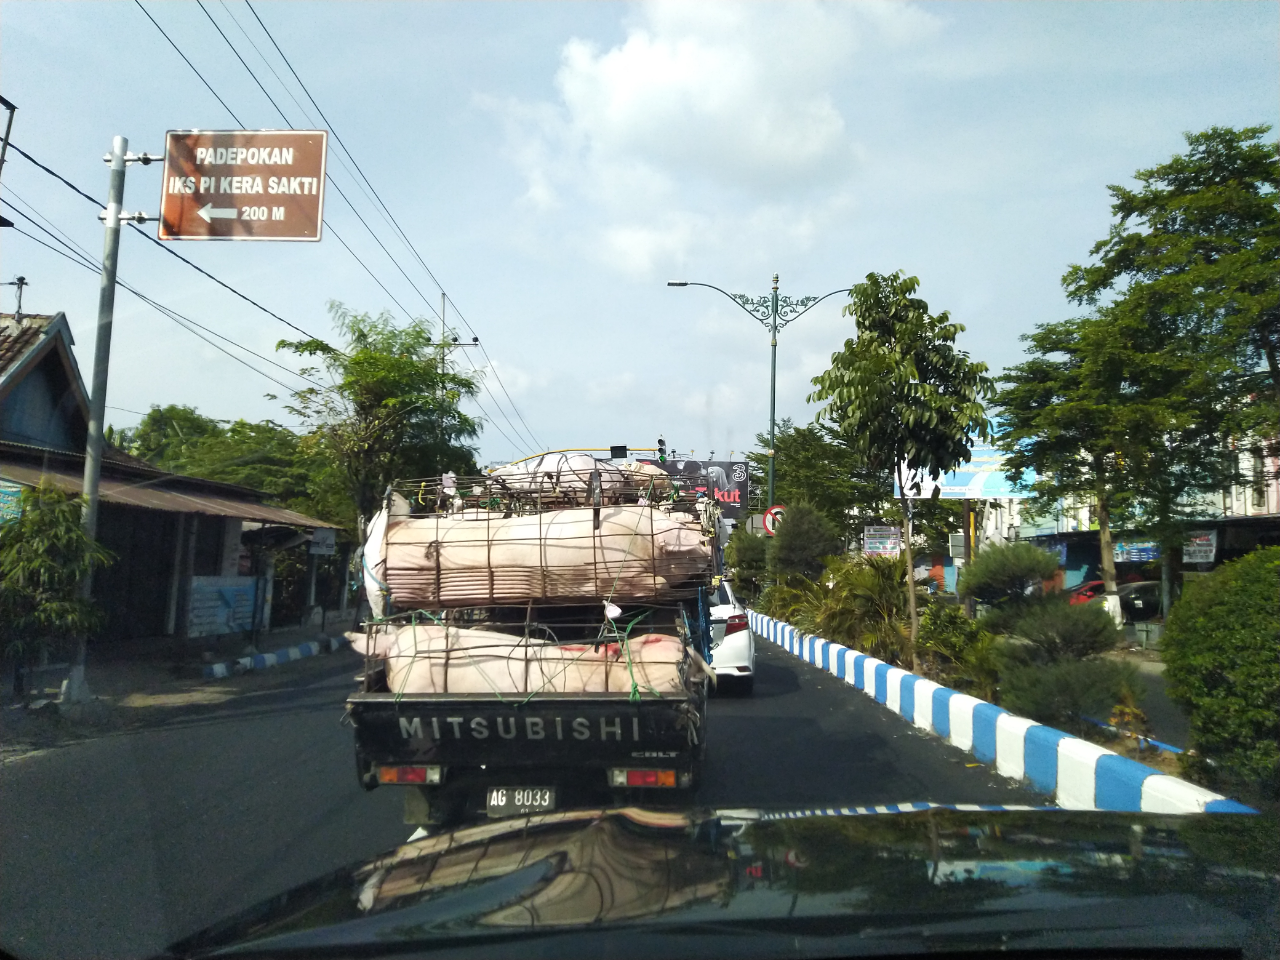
(774,312)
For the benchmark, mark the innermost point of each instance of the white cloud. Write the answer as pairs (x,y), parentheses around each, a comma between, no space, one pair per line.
(704,107)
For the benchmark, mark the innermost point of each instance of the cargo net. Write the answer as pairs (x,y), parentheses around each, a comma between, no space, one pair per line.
(475,557)
(549,482)
(515,654)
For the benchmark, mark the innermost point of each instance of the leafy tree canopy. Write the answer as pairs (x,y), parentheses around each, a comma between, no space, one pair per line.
(44,554)
(901,392)
(391,411)
(817,465)
(803,540)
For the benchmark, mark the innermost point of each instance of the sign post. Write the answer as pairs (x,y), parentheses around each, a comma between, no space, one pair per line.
(243,185)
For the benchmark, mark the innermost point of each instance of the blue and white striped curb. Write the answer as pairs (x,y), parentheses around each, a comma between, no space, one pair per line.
(1079,775)
(260,661)
(896,808)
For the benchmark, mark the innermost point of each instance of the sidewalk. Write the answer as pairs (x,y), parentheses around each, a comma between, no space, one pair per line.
(1168,722)
(148,682)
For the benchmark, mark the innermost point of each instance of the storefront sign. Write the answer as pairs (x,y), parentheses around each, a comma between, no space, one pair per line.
(9,494)
(1137,551)
(221,605)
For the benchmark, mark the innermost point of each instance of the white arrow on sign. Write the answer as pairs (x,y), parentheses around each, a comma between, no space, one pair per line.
(209,213)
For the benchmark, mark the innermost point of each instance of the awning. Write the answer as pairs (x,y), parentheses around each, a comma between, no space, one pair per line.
(149,495)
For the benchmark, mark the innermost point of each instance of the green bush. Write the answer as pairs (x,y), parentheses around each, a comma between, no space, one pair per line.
(1221,646)
(958,651)
(747,555)
(1061,694)
(805,538)
(1065,631)
(1006,573)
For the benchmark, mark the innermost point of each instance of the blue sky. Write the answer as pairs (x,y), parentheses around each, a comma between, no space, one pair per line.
(556,164)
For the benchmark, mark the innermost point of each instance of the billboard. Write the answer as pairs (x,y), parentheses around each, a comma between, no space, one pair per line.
(724,481)
(982,478)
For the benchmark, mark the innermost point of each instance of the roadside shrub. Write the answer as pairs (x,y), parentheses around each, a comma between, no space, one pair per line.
(1062,694)
(1221,646)
(804,539)
(1006,573)
(1064,631)
(958,651)
(863,605)
(746,554)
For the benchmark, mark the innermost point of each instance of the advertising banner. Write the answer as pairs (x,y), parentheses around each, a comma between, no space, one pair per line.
(1201,547)
(882,541)
(982,478)
(221,605)
(9,494)
(724,481)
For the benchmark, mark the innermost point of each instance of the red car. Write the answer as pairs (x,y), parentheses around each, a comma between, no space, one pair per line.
(1086,591)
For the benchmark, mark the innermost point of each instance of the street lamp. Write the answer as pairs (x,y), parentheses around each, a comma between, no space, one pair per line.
(774,312)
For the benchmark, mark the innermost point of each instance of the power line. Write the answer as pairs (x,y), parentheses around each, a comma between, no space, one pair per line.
(182,321)
(403,236)
(68,241)
(188,62)
(356,212)
(167,249)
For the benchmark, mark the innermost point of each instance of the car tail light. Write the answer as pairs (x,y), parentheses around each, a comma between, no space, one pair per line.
(622,777)
(735,624)
(424,775)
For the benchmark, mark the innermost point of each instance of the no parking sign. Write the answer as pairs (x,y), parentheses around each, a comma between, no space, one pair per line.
(771,518)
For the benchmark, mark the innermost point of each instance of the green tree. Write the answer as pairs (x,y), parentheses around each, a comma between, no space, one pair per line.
(1186,294)
(817,465)
(166,435)
(908,400)
(1199,241)
(1222,650)
(392,411)
(44,554)
(1062,421)
(804,539)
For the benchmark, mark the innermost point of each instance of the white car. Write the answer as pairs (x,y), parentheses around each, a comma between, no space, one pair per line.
(733,651)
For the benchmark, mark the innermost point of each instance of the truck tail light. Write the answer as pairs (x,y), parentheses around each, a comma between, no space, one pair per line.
(735,624)
(622,777)
(423,775)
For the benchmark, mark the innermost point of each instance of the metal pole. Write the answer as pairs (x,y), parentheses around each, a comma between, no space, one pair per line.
(773,380)
(8,127)
(98,397)
(102,345)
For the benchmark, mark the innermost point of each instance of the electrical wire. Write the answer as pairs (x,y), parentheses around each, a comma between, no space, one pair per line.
(166,311)
(357,214)
(88,258)
(391,217)
(167,249)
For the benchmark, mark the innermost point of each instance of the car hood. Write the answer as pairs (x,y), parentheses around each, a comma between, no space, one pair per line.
(749,883)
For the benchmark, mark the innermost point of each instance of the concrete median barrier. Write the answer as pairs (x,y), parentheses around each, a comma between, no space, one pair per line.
(1080,775)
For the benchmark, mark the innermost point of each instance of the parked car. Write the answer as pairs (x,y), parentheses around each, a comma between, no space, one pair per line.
(1086,591)
(1140,601)
(733,651)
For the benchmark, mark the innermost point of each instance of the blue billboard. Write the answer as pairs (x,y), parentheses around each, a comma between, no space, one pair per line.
(982,478)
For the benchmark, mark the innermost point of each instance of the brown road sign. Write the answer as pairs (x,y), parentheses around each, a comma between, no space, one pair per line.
(243,185)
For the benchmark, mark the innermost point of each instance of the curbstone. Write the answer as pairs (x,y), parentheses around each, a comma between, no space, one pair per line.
(260,661)
(1080,775)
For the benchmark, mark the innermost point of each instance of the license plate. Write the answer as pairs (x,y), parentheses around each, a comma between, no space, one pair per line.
(512,801)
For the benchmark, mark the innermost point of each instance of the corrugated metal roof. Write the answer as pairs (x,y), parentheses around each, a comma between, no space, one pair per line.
(148,494)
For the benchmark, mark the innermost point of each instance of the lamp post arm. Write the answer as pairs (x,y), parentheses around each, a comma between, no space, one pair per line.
(741,299)
(804,305)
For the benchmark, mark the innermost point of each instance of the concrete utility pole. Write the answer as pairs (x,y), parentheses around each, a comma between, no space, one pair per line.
(112,217)
(774,312)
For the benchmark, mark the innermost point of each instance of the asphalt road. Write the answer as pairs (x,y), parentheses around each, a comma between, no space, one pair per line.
(117,846)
